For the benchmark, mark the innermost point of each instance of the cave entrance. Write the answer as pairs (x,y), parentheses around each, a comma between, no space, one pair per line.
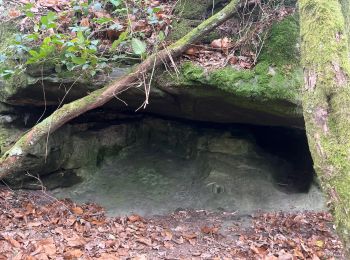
(170,165)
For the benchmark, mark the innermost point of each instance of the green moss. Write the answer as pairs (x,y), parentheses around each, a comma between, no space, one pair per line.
(318,31)
(281,45)
(12,85)
(277,76)
(259,89)
(182,26)
(190,14)
(193,73)
(262,83)
(192,9)
(258,83)
(7,30)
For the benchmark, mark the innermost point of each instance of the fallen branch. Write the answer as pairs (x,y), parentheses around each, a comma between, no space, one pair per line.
(12,161)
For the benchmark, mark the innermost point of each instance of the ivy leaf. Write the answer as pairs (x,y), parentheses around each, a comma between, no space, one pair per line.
(138,46)
(48,21)
(33,53)
(29,14)
(97,6)
(161,36)
(122,37)
(102,20)
(78,60)
(80,37)
(116,3)
(94,42)
(116,26)
(70,66)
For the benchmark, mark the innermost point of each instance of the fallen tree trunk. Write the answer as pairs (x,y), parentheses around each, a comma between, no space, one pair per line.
(326,103)
(12,161)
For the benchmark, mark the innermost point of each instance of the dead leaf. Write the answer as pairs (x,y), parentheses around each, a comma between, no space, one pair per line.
(85,22)
(209,230)
(315,257)
(145,241)
(34,224)
(225,43)
(319,243)
(168,245)
(179,241)
(73,254)
(189,235)
(41,256)
(220,43)
(140,257)
(168,236)
(258,250)
(48,3)
(216,44)
(13,13)
(48,246)
(77,210)
(245,65)
(12,241)
(191,51)
(75,241)
(139,25)
(134,218)
(108,256)
(285,256)
(233,60)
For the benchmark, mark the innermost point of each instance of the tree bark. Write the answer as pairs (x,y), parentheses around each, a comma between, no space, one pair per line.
(326,102)
(12,161)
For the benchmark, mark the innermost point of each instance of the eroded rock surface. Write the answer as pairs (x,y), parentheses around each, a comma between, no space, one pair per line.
(158,166)
(203,170)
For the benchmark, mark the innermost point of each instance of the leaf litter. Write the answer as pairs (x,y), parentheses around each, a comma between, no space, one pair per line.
(35,225)
(238,45)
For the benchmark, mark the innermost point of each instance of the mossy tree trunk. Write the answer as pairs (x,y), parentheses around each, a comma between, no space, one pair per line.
(12,161)
(326,102)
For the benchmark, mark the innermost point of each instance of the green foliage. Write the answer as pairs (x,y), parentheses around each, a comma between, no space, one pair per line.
(116,3)
(48,21)
(76,49)
(44,47)
(138,46)
(122,37)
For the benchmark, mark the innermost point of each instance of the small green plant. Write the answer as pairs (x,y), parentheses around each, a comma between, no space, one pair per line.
(77,45)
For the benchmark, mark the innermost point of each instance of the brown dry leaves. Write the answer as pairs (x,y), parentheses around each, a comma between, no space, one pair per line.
(135,20)
(240,44)
(34,225)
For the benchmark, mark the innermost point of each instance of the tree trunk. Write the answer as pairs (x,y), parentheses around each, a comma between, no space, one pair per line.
(12,160)
(326,102)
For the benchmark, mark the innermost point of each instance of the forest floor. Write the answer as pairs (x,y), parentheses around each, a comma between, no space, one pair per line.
(35,225)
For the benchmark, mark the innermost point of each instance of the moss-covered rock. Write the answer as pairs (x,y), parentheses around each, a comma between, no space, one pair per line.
(188,15)
(282,44)
(268,94)
(271,87)
(263,90)
(190,9)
